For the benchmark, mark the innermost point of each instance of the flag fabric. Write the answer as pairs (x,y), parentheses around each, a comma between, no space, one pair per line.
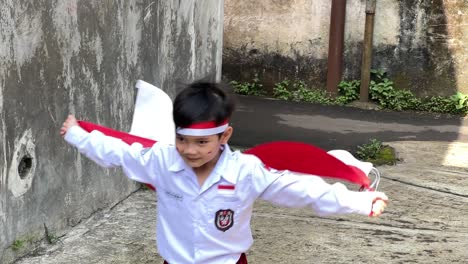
(280,155)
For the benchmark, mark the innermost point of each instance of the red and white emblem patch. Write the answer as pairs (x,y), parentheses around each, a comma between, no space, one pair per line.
(226,189)
(224,219)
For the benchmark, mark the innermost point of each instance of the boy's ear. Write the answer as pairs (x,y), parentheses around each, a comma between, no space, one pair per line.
(226,135)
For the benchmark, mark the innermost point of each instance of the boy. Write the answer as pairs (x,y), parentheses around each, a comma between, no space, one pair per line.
(205,191)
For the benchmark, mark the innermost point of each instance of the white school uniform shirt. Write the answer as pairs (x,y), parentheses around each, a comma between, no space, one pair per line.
(211,223)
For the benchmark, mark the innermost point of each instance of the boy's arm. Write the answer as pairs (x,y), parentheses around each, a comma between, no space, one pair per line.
(291,190)
(108,151)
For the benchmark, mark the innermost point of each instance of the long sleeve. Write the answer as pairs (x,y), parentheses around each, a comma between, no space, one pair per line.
(292,190)
(112,152)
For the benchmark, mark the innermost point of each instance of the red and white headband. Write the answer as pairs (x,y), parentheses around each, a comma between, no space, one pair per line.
(203,129)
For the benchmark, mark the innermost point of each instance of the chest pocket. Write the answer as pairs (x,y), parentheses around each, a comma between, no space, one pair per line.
(171,201)
(223,212)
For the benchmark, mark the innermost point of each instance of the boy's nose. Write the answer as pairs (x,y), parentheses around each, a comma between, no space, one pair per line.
(190,149)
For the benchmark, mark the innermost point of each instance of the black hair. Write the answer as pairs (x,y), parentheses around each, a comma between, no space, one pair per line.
(202,101)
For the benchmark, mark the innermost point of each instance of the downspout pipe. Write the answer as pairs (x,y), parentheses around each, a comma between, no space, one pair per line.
(335,46)
(367,52)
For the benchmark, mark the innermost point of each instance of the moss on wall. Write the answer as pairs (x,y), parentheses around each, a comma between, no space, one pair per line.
(419,43)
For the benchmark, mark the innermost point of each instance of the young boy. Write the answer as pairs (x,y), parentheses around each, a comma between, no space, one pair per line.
(205,191)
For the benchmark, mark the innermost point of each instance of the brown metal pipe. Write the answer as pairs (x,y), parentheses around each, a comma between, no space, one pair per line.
(335,45)
(367,52)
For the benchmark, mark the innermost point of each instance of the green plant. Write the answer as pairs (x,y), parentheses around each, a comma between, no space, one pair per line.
(376,153)
(298,91)
(281,90)
(17,244)
(249,88)
(381,91)
(377,74)
(349,91)
(50,237)
(437,104)
(461,99)
(370,150)
(312,96)
(461,102)
(455,104)
(384,93)
(302,93)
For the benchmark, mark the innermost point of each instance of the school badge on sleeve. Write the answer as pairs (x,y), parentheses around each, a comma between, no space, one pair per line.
(224,219)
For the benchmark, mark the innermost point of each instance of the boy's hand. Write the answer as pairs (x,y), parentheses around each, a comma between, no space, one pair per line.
(71,121)
(379,204)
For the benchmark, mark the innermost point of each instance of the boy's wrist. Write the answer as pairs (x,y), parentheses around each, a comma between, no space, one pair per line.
(74,133)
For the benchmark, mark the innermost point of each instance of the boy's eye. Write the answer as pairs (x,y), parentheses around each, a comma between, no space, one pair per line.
(201,142)
(180,138)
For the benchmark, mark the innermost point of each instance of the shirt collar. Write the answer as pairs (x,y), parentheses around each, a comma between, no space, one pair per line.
(220,170)
(178,164)
(222,167)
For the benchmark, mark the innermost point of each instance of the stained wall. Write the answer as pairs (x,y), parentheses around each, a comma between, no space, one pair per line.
(420,44)
(84,57)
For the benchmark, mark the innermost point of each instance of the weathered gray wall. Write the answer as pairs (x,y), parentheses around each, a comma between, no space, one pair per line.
(421,44)
(84,57)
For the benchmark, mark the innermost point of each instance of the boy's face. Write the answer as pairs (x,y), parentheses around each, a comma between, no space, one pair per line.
(199,150)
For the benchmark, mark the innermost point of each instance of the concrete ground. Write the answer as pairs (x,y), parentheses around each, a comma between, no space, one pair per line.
(425,222)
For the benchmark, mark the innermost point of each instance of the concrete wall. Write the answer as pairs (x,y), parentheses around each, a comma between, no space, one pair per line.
(419,43)
(83,57)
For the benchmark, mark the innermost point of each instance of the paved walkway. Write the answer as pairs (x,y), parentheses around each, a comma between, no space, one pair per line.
(258,120)
(426,221)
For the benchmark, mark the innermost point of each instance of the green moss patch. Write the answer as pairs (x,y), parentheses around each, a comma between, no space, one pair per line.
(385,156)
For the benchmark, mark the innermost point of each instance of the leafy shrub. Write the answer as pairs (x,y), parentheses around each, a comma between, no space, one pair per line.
(381,91)
(387,97)
(461,102)
(281,90)
(298,91)
(348,91)
(312,96)
(437,104)
(249,88)
(377,153)
(370,150)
